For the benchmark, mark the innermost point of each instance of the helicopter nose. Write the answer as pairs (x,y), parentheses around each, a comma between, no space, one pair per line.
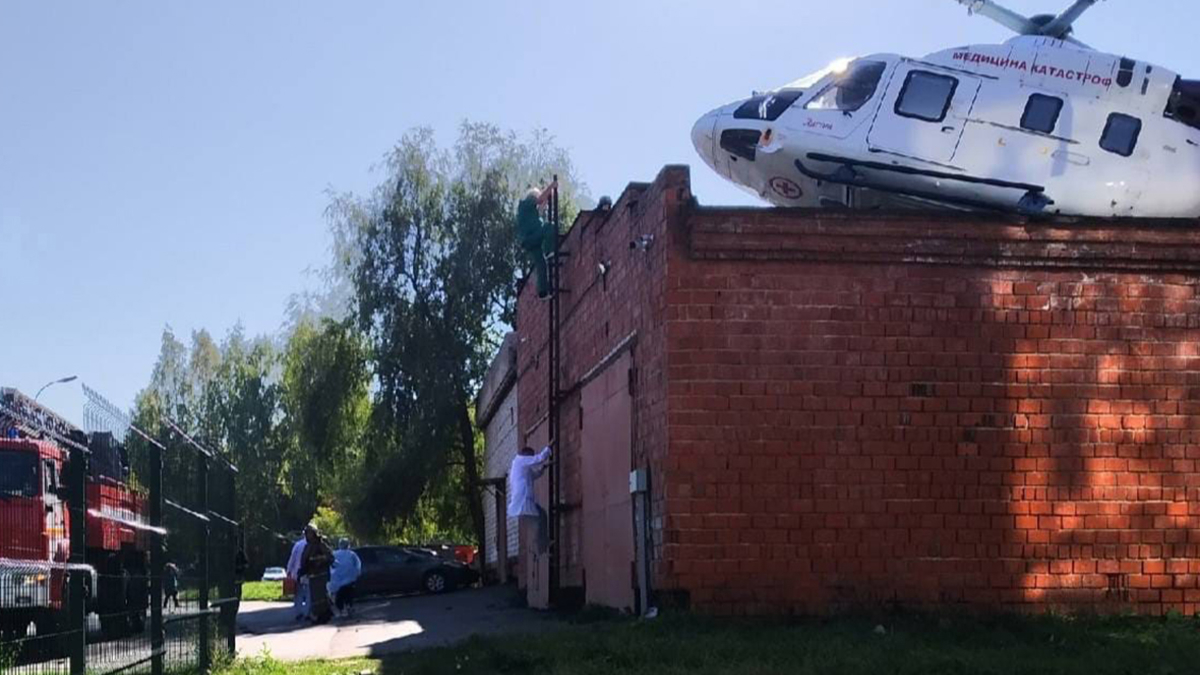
(703,137)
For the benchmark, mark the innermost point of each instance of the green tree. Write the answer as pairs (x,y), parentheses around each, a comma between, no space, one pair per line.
(169,381)
(326,403)
(248,404)
(230,399)
(433,263)
(204,365)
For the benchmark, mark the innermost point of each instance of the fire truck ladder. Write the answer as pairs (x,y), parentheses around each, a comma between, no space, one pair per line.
(555,390)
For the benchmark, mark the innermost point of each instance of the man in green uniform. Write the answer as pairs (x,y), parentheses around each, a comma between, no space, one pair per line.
(537,236)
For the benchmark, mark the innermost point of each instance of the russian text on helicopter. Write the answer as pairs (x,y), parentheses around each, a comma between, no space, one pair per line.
(1042,124)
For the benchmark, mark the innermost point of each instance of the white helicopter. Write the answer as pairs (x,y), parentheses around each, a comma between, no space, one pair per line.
(1041,124)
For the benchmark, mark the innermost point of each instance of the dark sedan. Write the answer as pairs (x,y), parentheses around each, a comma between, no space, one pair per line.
(391,569)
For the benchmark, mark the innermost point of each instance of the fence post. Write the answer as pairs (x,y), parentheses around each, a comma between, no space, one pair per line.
(235,588)
(79,573)
(205,638)
(157,634)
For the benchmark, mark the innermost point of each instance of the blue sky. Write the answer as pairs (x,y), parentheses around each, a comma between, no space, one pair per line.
(166,162)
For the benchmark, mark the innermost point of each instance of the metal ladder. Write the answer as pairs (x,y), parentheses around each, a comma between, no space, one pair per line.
(554,391)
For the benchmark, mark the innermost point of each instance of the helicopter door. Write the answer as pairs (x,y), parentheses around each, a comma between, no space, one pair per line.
(924,113)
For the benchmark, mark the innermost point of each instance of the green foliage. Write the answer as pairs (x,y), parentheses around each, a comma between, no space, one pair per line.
(358,413)
(441,514)
(263,591)
(325,397)
(230,397)
(331,523)
(248,399)
(433,262)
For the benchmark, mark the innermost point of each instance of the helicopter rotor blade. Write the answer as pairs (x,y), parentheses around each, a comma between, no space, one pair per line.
(1001,15)
(1062,24)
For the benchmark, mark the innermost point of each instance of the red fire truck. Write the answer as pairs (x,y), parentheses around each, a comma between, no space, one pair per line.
(35,524)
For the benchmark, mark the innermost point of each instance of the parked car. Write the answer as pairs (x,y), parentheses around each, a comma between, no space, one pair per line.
(463,553)
(394,569)
(274,574)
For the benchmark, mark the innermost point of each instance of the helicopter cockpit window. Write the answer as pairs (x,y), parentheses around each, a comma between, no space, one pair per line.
(926,96)
(1041,113)
(852,89)
(767,106)
(1121,134)
(1184,104)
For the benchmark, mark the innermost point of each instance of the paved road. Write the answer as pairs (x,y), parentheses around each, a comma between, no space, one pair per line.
(387,625)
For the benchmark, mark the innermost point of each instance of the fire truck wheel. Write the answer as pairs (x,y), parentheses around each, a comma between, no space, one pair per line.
(113,606)
(137,591)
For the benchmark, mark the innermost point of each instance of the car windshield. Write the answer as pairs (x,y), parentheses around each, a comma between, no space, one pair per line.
(852,89)
(18,474)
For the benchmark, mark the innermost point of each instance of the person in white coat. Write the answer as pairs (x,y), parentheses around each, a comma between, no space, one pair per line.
(347,567)
(300,600)
(525,469)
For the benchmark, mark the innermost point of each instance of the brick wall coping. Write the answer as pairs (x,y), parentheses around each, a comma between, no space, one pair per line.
(976,240)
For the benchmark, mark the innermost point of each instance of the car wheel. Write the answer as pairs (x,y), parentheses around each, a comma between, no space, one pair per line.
(435,582)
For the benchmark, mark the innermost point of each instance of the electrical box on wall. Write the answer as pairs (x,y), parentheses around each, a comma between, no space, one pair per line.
(638,481)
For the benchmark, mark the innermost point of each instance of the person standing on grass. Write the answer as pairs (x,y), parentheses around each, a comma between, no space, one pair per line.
(300,597)
(346,569)
(525,469)
(315,562)
(170,584)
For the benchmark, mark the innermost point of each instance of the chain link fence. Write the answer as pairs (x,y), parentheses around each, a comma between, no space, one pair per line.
(120,548)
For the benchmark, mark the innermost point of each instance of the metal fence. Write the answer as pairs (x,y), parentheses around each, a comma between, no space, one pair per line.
(120,550)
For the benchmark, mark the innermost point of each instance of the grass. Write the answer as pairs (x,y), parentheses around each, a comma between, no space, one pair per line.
(269,591)
(6,658)
(266,665)
(909,645)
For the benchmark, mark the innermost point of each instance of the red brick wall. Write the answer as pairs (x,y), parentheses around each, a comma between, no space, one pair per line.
(622,309)
(845,409)
(869,410)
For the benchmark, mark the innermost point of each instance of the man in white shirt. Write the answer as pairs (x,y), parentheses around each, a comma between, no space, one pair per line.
(525,469)
(300,600)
